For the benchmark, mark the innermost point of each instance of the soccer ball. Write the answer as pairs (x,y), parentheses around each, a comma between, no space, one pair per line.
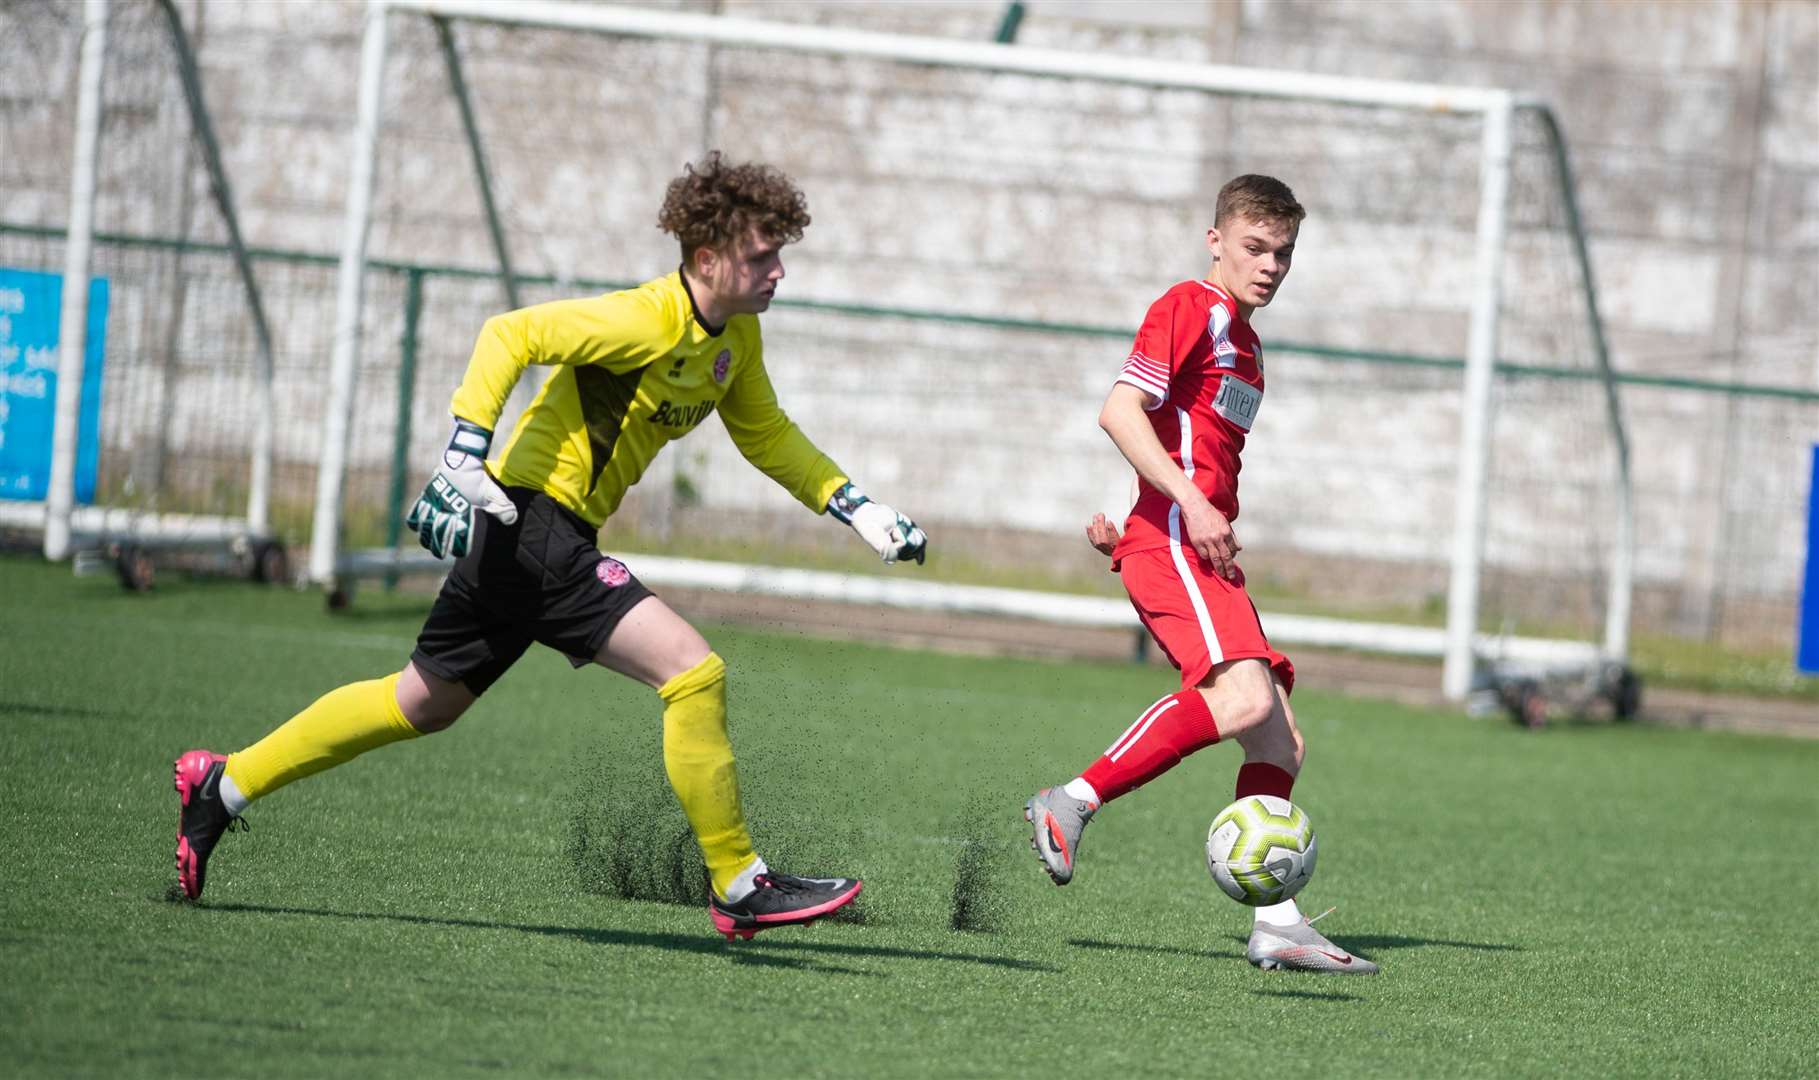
(1260,850)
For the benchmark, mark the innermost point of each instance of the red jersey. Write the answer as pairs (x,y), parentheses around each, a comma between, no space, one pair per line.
(1204,362)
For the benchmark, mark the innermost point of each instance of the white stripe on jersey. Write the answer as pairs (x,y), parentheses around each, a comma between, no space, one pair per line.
(1158,376)
(1146,373)
(1143,380)
(1139,726)
(1213,649)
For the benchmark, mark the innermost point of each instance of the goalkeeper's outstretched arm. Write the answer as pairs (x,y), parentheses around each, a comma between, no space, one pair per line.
(770,440)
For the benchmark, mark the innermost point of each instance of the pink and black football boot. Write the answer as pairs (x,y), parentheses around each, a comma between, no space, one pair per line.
(202,818)
(781,900)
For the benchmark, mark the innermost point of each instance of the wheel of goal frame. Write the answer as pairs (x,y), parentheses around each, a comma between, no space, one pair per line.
(134,565)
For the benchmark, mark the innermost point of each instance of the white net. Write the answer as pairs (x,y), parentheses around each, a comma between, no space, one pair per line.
(178,404)
(984,246)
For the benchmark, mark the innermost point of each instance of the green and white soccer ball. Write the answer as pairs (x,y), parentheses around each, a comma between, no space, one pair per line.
(1260,850)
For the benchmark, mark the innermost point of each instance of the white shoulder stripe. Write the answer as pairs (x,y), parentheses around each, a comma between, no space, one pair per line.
(1149,386)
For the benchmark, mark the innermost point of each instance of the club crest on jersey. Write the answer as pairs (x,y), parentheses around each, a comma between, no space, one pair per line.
(722,364)
(611,572)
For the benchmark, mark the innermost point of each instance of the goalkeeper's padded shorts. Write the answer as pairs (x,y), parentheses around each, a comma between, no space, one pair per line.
(1198,617)
(541,580)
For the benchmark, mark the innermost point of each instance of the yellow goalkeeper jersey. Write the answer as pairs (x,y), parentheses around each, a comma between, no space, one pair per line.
(637,368)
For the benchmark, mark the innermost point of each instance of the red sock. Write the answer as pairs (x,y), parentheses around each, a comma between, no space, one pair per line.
(1262,778)
(1168,731)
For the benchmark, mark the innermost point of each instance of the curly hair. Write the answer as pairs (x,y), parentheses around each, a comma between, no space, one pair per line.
(714,203)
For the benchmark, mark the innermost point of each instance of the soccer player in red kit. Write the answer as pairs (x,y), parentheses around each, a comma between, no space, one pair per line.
(1179,412)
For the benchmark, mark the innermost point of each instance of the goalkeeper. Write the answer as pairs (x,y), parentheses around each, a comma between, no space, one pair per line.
(633,370)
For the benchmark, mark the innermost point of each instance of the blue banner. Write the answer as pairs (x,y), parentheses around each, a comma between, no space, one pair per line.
(30,327)
(1807,657)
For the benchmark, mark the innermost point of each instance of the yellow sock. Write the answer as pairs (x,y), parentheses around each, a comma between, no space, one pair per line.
(699,758)
(341,725)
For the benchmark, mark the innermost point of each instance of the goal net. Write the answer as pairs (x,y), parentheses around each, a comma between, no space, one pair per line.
(990,224)
(176,419)
(1436,466)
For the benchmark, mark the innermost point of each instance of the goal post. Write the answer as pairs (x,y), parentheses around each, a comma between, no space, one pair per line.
(1495,110)
(60,498)
(135,62)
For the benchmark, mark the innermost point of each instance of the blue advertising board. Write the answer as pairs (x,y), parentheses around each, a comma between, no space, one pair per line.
(30,327)
(1807,657)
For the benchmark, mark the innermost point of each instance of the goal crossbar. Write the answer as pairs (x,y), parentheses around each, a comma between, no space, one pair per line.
(948,52)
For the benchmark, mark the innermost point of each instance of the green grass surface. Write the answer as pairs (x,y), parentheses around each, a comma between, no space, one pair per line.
(1583,900)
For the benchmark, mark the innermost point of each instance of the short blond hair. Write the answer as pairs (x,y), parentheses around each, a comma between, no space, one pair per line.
(1254,197)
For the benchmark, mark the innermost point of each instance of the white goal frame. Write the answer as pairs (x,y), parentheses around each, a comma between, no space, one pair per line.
(1460,645)
(66,526)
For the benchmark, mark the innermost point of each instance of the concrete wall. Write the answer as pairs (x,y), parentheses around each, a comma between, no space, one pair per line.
(1694,128)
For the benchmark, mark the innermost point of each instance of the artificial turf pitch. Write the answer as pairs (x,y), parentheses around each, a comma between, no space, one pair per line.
(1583,900)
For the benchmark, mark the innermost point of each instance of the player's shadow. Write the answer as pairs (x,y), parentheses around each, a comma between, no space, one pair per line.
(801,955)
(1313,995)
(1369,943)
(1159,950)
(7,705)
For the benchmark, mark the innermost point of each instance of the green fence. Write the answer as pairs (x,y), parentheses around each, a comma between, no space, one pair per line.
(1714,561)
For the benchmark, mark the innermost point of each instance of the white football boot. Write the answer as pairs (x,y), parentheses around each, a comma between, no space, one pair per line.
(1301,948)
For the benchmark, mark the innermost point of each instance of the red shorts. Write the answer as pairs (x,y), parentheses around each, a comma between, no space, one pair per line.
(1199,618)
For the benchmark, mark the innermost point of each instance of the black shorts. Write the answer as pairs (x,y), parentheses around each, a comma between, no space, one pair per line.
(541,579)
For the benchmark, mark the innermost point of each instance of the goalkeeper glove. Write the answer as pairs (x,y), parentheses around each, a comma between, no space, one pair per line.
(443,518)
(890,534)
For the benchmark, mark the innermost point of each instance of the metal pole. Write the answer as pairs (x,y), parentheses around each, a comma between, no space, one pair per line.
(401,427)
(258,509)
(1007,26)
(954,52)
(1623,555)
(325,532)
(1475,418)
(60,498)
(452,60)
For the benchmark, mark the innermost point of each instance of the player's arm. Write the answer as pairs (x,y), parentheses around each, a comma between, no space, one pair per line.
(622,331)
(1124,418)
(770,440)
